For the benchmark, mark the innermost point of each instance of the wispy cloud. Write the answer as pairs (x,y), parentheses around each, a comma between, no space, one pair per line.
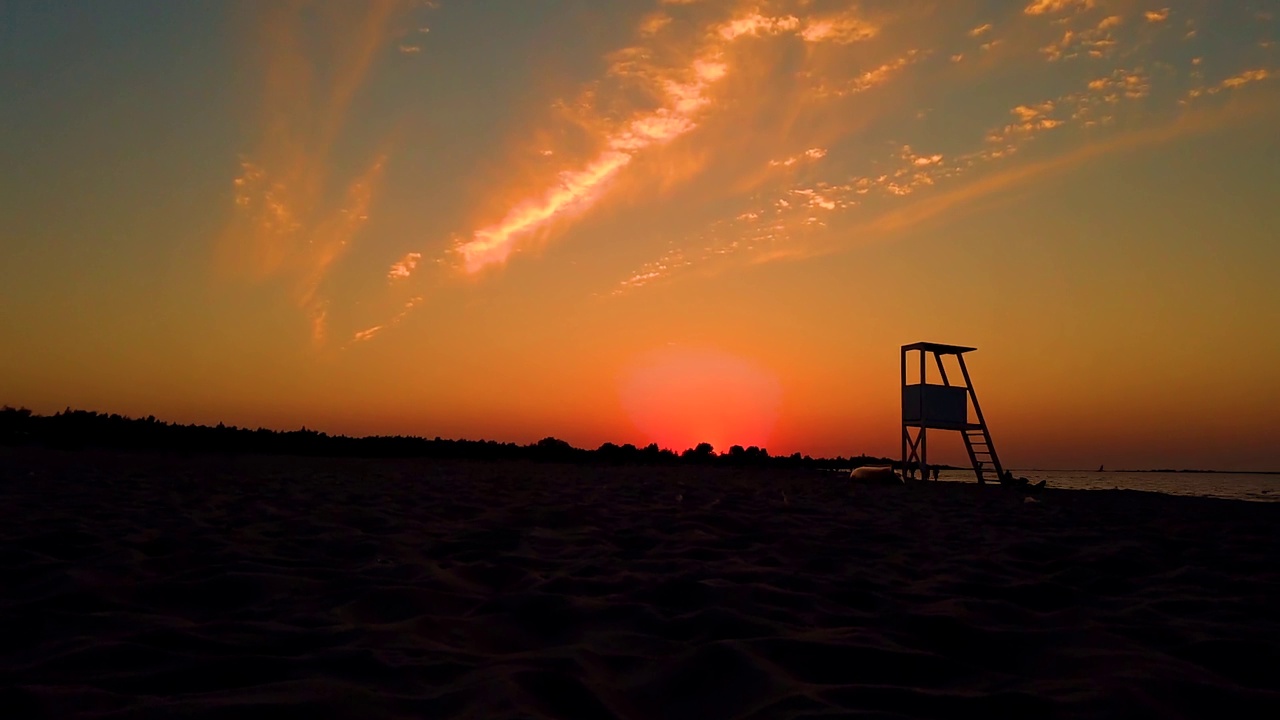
(768,130)
(843,28)
(1235,81)
(1018,176)
(872,77)
(806,156)
(1246,77)
(1047,7)
(370,332)
(684,94)
(1094,42)
(404,267)
(813,209)
(284,225)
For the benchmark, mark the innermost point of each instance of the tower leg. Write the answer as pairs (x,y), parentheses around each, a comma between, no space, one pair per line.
(924,376)
(911,460)
(924,457)
(906,433)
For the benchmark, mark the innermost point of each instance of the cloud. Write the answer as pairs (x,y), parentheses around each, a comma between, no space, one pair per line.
(685,93)
(577,189)
(765,104)
(810,154)
(964,195)
(757,24)
(1030,114)
(1047,7)
(371,332)
(1095,42)
(1246,77)
(654,23)
(801,215)
(1235,81)
(574,190)
(1031,119)
(844,29)
(1131,84)
(1157,16)
(880,74)
(284,224)
(674,259)
(404,267)
(956,198)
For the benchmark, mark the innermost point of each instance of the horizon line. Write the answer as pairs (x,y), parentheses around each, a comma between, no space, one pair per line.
(716,453)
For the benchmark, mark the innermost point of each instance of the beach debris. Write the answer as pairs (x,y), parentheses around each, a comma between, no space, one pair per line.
(1008,480)
(1029,499)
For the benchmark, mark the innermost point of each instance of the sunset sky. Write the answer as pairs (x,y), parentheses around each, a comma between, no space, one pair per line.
(650,220)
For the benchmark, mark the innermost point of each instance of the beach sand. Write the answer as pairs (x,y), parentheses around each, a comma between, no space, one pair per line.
(151,586)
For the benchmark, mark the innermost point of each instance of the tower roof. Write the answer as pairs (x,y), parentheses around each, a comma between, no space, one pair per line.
(939,348)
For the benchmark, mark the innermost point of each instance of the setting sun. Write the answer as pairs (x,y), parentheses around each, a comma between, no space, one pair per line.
(679,398)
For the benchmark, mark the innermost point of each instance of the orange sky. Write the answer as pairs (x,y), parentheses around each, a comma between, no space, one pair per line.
(662,220)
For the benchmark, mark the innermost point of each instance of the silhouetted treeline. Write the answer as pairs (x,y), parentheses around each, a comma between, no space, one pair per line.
(76,429)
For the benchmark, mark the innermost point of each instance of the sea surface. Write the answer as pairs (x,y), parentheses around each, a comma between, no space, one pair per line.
(1234,486)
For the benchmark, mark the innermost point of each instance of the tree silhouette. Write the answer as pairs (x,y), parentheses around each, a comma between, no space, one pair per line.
(74,429)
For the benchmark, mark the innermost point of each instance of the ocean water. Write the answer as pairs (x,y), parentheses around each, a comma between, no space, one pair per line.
(1233,486)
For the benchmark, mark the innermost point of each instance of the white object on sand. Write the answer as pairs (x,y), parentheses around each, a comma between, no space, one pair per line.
(875,476)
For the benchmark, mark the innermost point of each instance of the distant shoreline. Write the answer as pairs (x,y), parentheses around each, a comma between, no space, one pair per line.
(1159,470)
(1203,472)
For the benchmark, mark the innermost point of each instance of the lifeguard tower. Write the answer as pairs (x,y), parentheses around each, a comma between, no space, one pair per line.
(944,406)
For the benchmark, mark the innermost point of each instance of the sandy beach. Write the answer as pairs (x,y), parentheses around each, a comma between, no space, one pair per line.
(152,586)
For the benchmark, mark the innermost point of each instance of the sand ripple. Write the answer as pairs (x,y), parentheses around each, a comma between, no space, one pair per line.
(159,587)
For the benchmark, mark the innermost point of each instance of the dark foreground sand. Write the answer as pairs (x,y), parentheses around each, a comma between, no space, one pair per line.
(153,587)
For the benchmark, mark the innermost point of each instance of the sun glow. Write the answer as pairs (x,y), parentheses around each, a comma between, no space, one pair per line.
(679,397)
